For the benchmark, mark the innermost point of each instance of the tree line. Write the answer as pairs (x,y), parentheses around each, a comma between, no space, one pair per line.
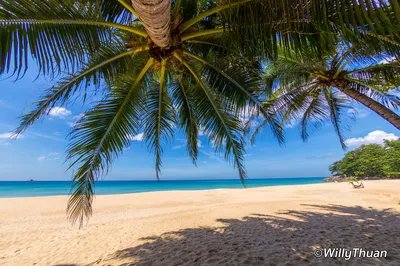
(370,160)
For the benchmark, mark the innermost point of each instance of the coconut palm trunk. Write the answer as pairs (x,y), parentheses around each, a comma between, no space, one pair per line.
(375,106)
(156,17)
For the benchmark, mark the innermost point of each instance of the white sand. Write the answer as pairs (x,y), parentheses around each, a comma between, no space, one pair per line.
(259,226)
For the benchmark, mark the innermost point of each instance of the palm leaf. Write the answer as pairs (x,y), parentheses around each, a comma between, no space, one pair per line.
(99,137)
(59,35)
(185,103)
(375,92)
(315,114)
(241,90)
(159,118)
(224,129)
(381,77)
(311,25)
(105,65)
(336,105)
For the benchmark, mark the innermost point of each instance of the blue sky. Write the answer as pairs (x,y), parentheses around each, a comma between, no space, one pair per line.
(39,152)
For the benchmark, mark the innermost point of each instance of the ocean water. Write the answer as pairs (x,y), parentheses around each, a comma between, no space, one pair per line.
(52,188)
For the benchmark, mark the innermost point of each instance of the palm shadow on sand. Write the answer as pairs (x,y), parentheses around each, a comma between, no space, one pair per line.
(286,239)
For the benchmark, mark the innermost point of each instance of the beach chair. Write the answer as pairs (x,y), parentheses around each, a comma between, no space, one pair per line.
(356,186)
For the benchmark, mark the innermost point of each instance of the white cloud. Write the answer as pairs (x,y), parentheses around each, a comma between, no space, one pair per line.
(10,135)
(199,143)
(201,131)
(357,112)
(41,158)
(138,137)
(376,137)
(59,112)
(53,153)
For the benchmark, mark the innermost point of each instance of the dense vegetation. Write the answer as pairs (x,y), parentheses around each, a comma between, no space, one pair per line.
(371,160)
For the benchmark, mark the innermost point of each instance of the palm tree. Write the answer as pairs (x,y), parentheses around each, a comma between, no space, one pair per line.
(160,63)
(312,89)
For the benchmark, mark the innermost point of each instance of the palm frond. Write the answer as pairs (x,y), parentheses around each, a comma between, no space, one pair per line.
(241,91)
(186,9)
(375,92)
(381,77)
(185,103)
(224,129)
(201,33)
(105,65)
(159,117)
(118,11)
(336,106)
(294,103)
(187,24)
(126,13)
(315,114)
(59,35)
(311,25)
(99,137)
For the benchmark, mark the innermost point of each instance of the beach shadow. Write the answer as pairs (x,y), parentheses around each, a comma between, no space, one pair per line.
(288,238)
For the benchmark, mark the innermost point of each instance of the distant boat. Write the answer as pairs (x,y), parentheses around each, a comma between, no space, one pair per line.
(31,180)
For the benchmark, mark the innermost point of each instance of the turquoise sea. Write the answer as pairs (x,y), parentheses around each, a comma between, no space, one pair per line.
(52,188)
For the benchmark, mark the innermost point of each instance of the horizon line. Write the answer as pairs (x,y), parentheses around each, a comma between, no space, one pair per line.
(162,180)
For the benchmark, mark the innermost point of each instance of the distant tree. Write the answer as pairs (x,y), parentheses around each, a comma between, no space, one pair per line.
(335,168)
(392,158)
(370,160)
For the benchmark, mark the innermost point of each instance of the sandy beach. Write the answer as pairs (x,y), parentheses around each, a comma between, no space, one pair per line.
(259,226)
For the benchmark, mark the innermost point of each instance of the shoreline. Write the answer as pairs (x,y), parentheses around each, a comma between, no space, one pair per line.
(181,227)
(236,186)
(172,191)
(167,180)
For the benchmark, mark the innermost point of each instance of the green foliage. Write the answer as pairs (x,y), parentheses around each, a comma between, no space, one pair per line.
(310,89)
(261,25)
(370,161)
(392,158)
